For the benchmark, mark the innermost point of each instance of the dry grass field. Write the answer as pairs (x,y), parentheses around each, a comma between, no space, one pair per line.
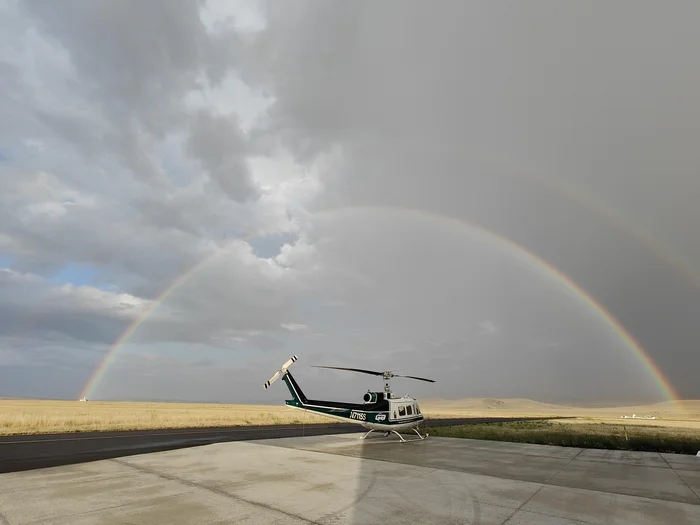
(41,416)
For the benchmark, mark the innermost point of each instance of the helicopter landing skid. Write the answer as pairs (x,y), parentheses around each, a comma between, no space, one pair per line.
(403,440)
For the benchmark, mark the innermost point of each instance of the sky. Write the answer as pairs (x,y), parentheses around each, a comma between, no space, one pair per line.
(443,189)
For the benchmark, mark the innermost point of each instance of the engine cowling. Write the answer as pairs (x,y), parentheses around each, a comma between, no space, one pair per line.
(370,397)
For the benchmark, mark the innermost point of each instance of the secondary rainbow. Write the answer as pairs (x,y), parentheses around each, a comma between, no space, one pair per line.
(592,203)
(663,384)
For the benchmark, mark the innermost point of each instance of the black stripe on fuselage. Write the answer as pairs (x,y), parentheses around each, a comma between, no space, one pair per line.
(379,406)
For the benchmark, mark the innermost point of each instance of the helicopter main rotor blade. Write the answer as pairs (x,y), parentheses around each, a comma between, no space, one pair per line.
(375,373)
(352,370)
(419,378)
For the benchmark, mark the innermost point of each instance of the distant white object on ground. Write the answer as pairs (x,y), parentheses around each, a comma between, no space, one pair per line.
(635,416)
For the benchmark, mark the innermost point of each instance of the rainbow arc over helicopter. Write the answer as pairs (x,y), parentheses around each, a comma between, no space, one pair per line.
(380,411)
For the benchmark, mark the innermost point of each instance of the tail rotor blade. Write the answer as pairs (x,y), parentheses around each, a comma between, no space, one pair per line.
(273,379)
(289,362)
(281,371)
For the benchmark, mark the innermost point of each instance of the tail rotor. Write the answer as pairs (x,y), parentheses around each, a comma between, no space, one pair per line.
(281,371)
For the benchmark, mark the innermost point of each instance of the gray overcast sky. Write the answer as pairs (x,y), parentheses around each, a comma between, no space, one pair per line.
(336,168)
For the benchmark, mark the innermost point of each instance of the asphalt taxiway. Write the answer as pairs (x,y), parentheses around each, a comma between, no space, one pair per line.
(342,479)
(48,450)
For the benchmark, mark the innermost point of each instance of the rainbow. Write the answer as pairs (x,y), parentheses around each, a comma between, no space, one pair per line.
(623,224)
(538,264)
(111,354)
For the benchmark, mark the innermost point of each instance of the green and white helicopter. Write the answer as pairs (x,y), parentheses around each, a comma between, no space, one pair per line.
(381,411)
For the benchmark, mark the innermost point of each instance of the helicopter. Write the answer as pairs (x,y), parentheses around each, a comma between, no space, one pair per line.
(381,411)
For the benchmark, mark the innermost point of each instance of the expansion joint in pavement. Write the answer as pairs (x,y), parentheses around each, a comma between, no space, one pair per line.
(543,486)
(680,477)
(214,490)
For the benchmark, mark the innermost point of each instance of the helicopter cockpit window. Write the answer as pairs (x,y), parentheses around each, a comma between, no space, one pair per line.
(417,409)
(402,411)
(409,410)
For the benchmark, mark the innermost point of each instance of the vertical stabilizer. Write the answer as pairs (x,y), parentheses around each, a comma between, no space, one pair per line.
(299,399)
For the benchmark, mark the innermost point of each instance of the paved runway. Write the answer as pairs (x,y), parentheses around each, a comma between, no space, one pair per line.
(37,451)
(341,479)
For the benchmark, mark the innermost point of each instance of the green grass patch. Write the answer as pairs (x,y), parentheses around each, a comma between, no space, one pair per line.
(583,435)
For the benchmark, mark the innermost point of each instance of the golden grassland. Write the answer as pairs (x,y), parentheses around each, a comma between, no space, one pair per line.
(46,416)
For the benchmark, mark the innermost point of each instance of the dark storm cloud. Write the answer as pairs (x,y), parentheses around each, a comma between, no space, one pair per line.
(476,110)
(444,301)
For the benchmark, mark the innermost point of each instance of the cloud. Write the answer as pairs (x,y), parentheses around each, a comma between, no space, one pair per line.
(247,181)
(488,328)
(33,308)
(217,141)
(134,66)
(294,327)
